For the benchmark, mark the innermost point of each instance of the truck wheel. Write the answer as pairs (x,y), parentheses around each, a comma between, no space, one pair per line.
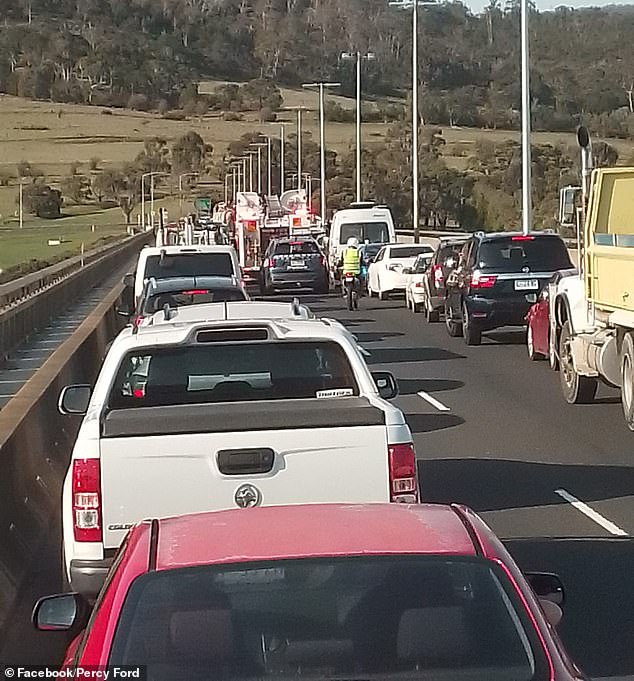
(627,380)
(577,389)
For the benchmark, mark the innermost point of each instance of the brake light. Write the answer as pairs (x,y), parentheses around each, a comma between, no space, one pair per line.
(267,262)
(402,464)
(419,284)
(86,500)
(523,237)
(483,280)
(195,292)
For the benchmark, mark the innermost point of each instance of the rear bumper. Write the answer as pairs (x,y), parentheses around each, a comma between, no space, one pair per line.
(87,576)
(297,280)
(492,314)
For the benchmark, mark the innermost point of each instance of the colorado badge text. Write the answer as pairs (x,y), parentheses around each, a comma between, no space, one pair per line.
(109,673)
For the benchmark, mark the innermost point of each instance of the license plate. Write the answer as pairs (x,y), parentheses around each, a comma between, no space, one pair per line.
(527,285)
(297,264)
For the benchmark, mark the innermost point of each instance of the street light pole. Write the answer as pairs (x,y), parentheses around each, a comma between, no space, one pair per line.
(299,149)
(322,141)
(526,124)
(21,206)
(268,140)
(282,179)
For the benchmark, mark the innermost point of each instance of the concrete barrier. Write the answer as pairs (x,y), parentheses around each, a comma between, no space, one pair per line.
(29,304)
(35,446)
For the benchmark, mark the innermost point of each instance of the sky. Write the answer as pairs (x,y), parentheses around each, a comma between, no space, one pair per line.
(478,5)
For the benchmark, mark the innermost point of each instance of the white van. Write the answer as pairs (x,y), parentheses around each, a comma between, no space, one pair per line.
(366,222)
(165,262)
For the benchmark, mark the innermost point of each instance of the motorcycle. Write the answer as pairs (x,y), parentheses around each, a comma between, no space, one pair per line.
(351,285)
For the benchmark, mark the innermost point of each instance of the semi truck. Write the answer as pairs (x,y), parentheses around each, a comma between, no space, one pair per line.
(592,313)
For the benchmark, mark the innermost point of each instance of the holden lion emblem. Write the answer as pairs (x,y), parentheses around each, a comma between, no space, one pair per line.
(247,496)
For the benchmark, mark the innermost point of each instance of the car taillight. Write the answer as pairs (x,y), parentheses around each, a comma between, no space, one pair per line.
(86,500)
(267,263)
(195,292)
(419,284)
(524,237)
(438,275)
(483,280)
(402,464)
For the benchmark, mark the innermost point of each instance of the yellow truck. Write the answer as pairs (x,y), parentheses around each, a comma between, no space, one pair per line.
(594,312)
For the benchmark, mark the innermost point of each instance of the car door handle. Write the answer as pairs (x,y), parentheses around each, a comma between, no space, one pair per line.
(245,461)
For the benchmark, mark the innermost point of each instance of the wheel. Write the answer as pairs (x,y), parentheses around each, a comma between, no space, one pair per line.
(472,335)
(416,307)
(383,295)
(533,355)
(454,328)
(576,389)
(431,315)
(627,380)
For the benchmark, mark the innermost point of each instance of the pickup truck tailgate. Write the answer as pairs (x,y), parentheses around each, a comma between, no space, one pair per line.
(164,461)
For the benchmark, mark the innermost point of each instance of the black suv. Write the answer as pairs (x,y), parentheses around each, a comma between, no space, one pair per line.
(498,278)
(294,263)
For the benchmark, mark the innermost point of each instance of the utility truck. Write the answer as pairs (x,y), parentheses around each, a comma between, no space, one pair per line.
(592,313)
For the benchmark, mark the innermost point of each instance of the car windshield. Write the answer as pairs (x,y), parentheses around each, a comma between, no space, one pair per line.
(191,297)
(296,247)
(373,232)
(189,265)
(409,251)
(423,618)
(450,254)
(230,372)
(513,254)
(421,264)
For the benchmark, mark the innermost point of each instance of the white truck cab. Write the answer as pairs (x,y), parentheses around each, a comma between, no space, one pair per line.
(365,221)
(196,415)
(161,262)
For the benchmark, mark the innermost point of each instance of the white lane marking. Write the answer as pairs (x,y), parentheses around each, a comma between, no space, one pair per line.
(433,401)
(591,513)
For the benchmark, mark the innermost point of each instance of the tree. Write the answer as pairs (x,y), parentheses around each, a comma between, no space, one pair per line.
(42,200)
(76,187)
(189,153)
(121,186)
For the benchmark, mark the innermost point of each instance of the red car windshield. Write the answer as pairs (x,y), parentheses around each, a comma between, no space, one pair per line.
(421,618)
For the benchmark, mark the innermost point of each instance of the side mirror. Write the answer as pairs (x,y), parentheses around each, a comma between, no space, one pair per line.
(62,612)
(547,586)
(74,399)
(386,384)
(129,280)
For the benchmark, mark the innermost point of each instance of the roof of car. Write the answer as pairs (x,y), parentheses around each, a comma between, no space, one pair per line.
(186,283)
(185,250)
(492,236)
(311,530)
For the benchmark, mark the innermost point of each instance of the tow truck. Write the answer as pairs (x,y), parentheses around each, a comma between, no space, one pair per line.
(592,312)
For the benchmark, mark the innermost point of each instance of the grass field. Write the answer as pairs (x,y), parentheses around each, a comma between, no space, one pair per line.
(52,136)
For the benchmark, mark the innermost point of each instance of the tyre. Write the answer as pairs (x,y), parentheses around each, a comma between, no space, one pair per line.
(431,315)
(383,295)
(530,346)
(576,389)
(454,328)
(416,307)
(627,380)
(471,334)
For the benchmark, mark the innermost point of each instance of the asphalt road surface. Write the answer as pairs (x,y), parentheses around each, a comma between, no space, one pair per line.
(491,431)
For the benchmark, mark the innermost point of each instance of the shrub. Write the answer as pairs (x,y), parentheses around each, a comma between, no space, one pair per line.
(138,102)
(232,116)
(94,163)
(163,107)
(267,115)
(177,115)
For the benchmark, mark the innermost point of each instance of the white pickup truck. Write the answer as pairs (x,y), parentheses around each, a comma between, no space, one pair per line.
(190,416)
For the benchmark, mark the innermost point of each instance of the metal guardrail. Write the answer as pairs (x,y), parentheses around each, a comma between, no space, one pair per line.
(28,304)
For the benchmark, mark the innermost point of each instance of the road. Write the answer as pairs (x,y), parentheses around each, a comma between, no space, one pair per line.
(492,431)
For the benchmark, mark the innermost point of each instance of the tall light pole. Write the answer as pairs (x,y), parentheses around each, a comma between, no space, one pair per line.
(259,146)
(526,124)
(358,57)
(268,158)
(151,176)
(299,110)
(226,188)
(413,5)
(322,141)
(180,191)
(21,210)
(282,179)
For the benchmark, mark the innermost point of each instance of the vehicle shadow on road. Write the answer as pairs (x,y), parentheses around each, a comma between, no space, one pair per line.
(412,386)
(427,423)
(493,484)
(396,355)
(373,336)
(515,337)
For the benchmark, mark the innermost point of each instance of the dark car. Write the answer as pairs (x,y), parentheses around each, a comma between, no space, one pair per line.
(182,291)
(444,260)
(498,278)
(294,263)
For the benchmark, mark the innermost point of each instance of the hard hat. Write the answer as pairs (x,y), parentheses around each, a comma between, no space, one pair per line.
(353,242)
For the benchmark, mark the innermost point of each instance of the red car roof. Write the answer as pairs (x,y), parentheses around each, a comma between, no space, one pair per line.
(314,530)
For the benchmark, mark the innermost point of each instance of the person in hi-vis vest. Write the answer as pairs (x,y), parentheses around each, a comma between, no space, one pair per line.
(351,258)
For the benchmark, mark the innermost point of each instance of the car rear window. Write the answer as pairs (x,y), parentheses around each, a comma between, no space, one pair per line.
(513,254)
(231,372)
(296,247)
(192,297)
(409,251)
(447,253)
(415,618)
(189,265)
(374,232)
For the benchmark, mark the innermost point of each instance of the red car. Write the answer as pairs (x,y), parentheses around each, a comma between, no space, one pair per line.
(379,591)
(538,332)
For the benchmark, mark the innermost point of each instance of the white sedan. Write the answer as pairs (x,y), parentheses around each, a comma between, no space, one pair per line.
(385,274)
(415,286)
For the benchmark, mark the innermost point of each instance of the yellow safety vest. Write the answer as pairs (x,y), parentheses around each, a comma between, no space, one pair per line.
(351,261)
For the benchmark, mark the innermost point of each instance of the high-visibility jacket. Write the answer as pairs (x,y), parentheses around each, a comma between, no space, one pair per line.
(351,261)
